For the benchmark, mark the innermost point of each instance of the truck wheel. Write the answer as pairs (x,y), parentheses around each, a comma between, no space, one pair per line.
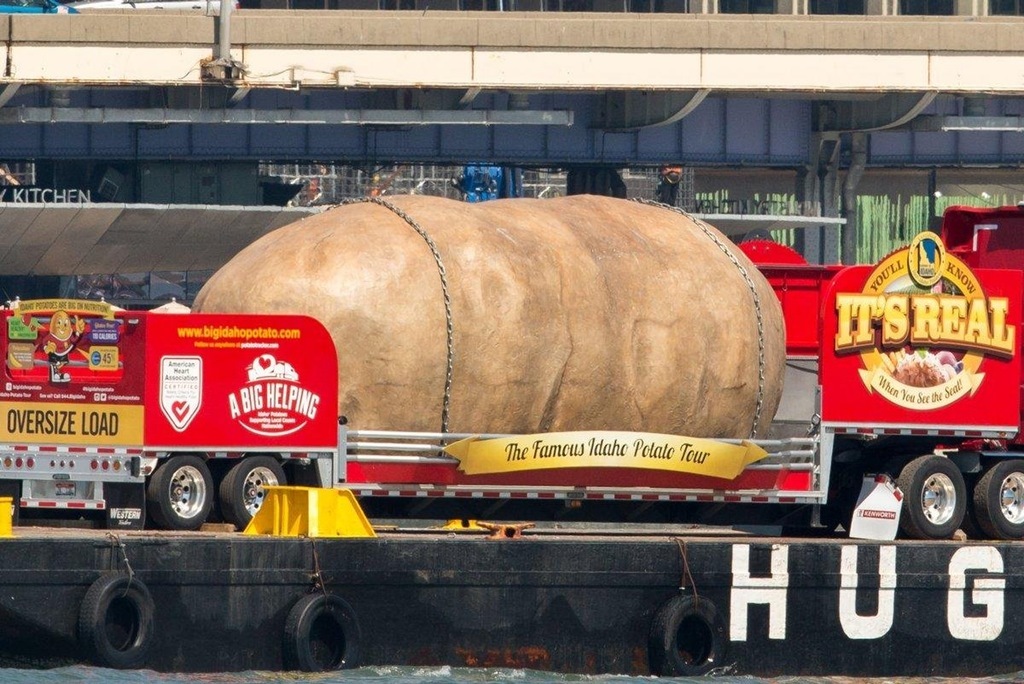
(934,498)
(242,490)
(999,500)
(180,493)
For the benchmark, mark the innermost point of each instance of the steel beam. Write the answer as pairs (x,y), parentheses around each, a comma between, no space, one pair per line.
(1005,124)
(891,110)
(629,110)
(361,117)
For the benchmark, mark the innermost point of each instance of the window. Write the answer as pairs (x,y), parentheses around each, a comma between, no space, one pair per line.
(93,287)
(837,7)
(569,6)
(163,285)
(129,286)
(1007,8)
(746,6)
(480,5)
(676,6)
(139,290)
(927,7)
(196,280)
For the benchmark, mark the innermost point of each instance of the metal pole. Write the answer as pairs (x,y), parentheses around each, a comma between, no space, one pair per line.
(224,29)
(858,161)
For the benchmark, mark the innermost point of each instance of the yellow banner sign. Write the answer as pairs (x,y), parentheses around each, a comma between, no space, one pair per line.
(604,450)
(71,306)
(64,423)
(964,383)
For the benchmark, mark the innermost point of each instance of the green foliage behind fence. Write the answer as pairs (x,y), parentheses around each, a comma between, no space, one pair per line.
(884,222)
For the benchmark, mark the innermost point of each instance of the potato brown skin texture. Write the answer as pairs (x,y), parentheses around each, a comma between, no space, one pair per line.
(575,313)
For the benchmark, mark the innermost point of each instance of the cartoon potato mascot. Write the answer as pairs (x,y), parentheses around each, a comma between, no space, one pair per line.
(60,341)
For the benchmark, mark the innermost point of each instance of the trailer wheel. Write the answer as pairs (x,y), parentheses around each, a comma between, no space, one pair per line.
(999,500)
(115,622)
(934,497)
(242,490)
(687,638)
(180,493)
(321,634)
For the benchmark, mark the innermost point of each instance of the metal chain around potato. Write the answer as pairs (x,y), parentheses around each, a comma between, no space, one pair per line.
(449,328)
(711,234)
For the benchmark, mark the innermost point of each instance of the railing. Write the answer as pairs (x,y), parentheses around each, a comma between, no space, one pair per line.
(331,183)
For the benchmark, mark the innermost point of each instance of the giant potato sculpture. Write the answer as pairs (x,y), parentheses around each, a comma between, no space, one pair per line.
(578,313)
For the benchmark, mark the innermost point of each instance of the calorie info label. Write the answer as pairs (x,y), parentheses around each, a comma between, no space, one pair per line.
(57,423)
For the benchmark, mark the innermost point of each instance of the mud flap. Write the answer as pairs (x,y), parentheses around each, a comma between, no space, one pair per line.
(877,514)
(126,505)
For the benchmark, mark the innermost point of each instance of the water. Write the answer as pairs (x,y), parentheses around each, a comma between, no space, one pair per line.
(430,675)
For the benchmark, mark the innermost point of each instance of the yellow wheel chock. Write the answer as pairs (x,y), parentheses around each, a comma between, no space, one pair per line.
(310,512)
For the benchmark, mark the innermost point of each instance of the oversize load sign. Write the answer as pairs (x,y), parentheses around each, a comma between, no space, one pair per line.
(71,423)
(923,333)
(604,450)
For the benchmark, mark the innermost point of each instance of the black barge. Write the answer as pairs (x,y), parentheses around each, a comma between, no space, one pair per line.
(670,602)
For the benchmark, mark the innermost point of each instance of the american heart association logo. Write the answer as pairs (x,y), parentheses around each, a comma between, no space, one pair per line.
(180,409)
(181,389)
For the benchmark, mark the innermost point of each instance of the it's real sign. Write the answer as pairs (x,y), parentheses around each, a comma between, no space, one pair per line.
(921,338)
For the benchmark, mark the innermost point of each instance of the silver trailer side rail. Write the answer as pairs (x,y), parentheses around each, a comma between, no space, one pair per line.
(383,447)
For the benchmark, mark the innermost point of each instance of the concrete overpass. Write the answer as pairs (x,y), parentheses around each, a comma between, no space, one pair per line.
(611,73)
(523,51)
(523,87)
